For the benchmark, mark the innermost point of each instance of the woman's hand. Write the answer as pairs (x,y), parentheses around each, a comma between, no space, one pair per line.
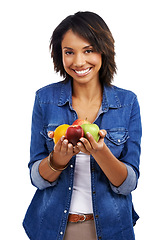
(114,169)
(90,146)
(63,151)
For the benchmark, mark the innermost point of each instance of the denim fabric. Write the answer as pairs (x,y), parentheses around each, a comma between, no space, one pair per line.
(125,188)
(46,217)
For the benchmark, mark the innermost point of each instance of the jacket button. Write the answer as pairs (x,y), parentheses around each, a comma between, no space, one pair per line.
(94,192)
(61,233)
(69,188)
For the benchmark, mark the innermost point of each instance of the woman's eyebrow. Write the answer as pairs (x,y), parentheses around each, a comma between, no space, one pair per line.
(69,48)
(87,46)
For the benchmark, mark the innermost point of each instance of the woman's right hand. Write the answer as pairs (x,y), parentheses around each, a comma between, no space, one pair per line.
(63,152)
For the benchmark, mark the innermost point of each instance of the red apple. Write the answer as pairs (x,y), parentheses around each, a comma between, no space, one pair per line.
(74,133)
(80,122)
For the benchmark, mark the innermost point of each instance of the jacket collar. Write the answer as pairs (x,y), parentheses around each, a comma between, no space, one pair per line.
(110,97)
(66,93)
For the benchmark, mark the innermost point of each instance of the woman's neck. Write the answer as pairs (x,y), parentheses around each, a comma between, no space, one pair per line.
(86,100)
(87,92)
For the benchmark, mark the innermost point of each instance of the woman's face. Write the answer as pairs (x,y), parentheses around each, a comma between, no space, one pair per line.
(80,60)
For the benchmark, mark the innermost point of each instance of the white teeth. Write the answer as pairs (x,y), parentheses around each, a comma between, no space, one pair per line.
(83,71)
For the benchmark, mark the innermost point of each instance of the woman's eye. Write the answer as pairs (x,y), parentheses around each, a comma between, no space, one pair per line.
(89,51)
(68,52)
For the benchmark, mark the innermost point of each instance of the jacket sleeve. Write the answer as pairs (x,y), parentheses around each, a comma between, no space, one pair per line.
(132,148)
(38,148)
(36,178)
(128,185)
(131,151)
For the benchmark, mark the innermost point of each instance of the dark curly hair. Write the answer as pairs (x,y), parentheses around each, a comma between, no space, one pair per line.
(93,28)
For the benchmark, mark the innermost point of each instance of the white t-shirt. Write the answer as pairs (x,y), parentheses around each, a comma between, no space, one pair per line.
(81,201)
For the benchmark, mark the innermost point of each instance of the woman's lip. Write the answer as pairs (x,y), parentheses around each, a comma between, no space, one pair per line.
(82,72)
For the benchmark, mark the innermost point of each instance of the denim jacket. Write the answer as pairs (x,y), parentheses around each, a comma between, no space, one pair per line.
(114,214)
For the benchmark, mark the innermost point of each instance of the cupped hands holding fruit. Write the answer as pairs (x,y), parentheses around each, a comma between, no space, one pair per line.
(80,136)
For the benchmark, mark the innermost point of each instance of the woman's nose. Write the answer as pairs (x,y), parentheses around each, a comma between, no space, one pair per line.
(79,60)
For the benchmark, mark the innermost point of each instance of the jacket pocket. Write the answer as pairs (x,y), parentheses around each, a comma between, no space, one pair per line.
(49,141)
(115,140)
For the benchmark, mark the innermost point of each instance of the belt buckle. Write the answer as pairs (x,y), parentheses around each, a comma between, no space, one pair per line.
(83,219)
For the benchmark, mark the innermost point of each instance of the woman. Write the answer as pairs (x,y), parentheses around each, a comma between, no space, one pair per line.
(84,191)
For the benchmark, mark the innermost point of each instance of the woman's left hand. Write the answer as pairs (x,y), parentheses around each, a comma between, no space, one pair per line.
(90,146)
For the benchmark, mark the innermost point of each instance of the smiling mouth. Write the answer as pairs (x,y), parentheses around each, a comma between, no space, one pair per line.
(82,72)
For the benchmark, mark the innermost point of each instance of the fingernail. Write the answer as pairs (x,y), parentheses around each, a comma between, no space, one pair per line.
(89,134)
(81,139)
(79,144)
(62,138)
(49,134)
(65,141)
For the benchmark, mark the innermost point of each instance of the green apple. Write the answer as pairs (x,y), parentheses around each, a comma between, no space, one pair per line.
(92,129)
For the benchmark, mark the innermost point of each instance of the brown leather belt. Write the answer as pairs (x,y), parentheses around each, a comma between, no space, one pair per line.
(75,218)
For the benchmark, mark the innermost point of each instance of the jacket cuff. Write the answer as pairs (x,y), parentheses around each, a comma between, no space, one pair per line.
(128,185)
(36,178)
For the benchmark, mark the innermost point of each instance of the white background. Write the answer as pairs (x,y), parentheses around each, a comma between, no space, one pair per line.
(25,66)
